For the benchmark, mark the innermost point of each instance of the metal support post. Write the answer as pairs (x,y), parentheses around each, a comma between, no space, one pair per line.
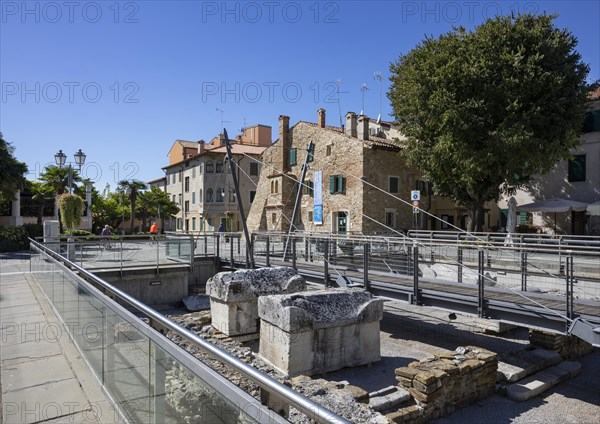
(415,299)
(480,284)
(366,254)
(231,253)
(268,251)
(569,261)
(306,244)
(460,265)
(294,253)
(217,249)
(158,388)
(326,262)
(523,271)
(205,246)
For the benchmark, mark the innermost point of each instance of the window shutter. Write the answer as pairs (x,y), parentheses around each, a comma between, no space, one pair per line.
(341,184)
(293,156)
(332,184)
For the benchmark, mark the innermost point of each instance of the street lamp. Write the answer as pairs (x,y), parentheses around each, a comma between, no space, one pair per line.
(61,159)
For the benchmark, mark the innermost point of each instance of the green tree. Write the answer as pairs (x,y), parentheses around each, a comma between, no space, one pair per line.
(71,209)
(12,172)
(134,187)
(155,203)
(108,210)
(42,194)
(58,178)
(486,110)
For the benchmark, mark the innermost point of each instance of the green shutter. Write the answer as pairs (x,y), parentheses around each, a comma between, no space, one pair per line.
(341,184)
(523,218)
(332,184)
(577,169)
(293,156)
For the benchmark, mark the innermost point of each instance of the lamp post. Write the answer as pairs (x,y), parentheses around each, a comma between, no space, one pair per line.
(61,159)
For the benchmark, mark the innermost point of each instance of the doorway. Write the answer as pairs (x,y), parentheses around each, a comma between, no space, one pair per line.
(342,222)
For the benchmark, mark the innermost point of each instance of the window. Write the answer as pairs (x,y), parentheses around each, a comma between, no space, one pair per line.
(447,219)
(309,188)
(390,218)
(253,168)
(187,205)
(274,217)
(193,224)
(173,178)
(337,184)
(179,223)
(219,167)
(394,185)
(274,187)
(179,199)
(210,166)
(577,169)
(187,184)
(252,196)
(310,216)
(220,195)
(201,168)
(193,197)
(328,151)
(193,172)
(592,121)
(179,176)
(231,195)
(209,195)
(173,199)
(293,156)
(200,198)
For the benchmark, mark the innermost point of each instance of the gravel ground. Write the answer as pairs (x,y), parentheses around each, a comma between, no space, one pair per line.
(410,333)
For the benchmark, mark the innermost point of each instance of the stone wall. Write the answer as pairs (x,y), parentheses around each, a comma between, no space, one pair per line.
(446,382)
(568,347)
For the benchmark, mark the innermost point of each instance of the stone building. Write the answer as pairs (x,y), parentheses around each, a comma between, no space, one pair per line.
(352,184)
(198,179)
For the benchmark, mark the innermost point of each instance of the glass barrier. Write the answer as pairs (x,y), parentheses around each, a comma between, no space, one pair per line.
(150,379)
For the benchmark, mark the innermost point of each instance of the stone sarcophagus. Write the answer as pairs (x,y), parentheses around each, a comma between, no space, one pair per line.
(315,332)
(234,296)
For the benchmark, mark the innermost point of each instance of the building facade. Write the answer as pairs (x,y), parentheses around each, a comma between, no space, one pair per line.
(198,179)
(575,179)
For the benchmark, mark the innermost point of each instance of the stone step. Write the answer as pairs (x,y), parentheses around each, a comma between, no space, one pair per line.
(542,381)
(392,399)
(516,365)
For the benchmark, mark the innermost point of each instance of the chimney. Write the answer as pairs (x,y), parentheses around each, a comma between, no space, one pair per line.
(201,146)
(351,124)
(321,117)
(363,127)
(284,142)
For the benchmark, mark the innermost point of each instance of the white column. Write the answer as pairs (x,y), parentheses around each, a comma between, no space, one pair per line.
(15,218)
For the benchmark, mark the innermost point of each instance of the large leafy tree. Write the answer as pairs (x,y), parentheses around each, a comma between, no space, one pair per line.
(58,178)
(12,172)
(108,210)
(134,187)
(486,110)
(155,203)
(42,194)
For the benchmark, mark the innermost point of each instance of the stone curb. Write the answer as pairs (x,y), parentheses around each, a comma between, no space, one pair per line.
(542,381)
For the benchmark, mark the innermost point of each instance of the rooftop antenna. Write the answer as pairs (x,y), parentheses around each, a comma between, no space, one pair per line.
(222,121)
(363,89)
(244,127)
(338,83)
(378,77)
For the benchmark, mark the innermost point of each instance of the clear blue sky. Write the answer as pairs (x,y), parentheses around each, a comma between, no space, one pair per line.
(123,80)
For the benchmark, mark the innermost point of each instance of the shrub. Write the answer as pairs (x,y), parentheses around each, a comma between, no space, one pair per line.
(529,229)
(34,230)
(13,239)
(83,235)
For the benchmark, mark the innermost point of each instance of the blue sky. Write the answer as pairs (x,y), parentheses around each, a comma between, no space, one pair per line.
(123,80)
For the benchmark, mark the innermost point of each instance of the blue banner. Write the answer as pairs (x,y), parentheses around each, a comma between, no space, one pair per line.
(318,197)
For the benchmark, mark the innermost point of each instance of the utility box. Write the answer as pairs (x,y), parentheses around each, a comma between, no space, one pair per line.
(52,235)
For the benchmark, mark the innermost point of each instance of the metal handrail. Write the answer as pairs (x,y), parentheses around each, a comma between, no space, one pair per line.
(312,409)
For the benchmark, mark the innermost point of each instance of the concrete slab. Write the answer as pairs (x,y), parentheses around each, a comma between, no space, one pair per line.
(19,311)
(43,402)
(541,381)
(516,365)
(34,373)
(12,354)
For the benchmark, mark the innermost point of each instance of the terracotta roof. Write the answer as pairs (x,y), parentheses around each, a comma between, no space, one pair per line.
(594,94)
(373,142)
(188,143)
(237,149)
(156,180)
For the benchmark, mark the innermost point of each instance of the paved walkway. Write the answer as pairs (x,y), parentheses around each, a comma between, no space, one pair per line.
(42,375)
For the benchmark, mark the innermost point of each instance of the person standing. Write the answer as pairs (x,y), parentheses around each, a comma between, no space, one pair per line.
(154,229)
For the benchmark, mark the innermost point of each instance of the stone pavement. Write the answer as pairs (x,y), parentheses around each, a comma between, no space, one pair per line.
(43,378)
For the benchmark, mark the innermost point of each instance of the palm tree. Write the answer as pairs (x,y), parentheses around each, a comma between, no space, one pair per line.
(42,193)
(58,178)
(134,187)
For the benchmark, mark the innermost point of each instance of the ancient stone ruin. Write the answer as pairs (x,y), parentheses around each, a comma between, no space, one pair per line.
(315,332)
(234,296)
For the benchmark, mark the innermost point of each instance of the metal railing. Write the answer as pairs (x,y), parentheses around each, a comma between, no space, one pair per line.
(142,370)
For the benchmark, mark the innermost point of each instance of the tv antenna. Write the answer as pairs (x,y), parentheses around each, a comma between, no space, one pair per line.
(363,89)
(222,121)
(338,83)
(378,77)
